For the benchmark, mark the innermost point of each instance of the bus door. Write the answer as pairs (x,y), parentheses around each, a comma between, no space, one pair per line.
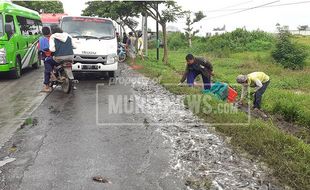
(12,39)
(29,34)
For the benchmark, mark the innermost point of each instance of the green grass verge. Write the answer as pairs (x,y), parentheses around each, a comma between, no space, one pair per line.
(288,89)
(288,156)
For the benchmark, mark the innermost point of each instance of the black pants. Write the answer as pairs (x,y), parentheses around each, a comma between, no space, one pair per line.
(258,95)
(192,74)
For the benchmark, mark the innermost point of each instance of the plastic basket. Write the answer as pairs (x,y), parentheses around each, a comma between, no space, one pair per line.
(232,95)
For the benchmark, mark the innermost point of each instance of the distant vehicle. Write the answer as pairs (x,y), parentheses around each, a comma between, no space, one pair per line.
(96,44)
(49,19)
(19,32)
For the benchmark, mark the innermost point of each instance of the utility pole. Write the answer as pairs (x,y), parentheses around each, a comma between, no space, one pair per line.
(157,35)
(145,34)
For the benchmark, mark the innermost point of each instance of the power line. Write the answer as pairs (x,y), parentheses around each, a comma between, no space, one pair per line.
(278,5)
(267,5)
(234,5)
(285,4)
(243,10)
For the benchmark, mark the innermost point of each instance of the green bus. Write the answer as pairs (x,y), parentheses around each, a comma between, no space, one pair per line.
(20,29)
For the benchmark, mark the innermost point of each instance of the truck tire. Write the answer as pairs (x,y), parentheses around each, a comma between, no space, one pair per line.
(17,72)
(111,74)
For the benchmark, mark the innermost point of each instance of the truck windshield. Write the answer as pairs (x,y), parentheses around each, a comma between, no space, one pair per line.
(1,25)
(91,28)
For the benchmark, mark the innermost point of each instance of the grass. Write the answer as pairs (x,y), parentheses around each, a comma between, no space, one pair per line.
(29,122)
(288,89)
(305,41)
(288,95)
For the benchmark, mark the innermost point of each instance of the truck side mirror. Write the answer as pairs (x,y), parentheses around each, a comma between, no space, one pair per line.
(8,30)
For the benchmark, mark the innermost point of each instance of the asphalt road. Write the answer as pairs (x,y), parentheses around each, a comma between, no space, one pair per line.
(134,134)
(18,99)
(75,137)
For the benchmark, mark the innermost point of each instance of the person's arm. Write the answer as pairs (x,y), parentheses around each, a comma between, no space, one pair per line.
(184,75)
(243,92)
(139,44)
(52,44)
(205,63)
(258,84)
(207,66)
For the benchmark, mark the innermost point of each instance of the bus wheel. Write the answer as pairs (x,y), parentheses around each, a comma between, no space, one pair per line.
(16,73)
(35,65)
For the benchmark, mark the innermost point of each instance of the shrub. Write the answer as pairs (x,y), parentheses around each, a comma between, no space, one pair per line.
(288,110)
(176,41)
(151,44)
(289,54)
(236,41)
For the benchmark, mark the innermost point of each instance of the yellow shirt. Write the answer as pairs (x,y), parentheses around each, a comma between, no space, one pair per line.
(254,77)
(140,43)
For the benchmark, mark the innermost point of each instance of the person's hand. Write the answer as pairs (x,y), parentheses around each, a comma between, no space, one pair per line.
(240,103)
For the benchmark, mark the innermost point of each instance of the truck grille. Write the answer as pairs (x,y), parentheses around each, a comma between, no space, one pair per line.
(90,59)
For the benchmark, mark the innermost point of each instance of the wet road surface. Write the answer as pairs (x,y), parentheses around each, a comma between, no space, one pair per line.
(67,147)
(103,130)
(19,97)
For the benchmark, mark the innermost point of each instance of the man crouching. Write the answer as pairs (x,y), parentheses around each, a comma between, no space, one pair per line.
(197,66)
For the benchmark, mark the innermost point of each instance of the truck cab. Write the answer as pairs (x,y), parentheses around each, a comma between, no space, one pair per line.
(95,41)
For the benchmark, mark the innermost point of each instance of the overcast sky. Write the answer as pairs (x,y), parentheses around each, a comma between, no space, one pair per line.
(231,14)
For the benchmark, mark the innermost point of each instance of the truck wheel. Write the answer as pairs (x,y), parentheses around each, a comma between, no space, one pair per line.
(111,74)
(16,73)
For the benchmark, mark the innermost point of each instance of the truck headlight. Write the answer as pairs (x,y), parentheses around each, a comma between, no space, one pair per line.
(111,58)
(2,56)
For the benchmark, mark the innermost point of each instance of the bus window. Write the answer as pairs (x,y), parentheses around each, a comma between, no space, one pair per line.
(39,26)
(10,20)
(23,25)
(29,26)
(33,28)
(1,26)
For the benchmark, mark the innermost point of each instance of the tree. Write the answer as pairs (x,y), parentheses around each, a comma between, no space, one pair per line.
(119,11)
(44,6)
(302,27)
(189,22)
(170,13)
(288,53)
(278,26)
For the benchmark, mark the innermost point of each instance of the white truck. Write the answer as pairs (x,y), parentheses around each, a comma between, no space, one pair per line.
(95,41)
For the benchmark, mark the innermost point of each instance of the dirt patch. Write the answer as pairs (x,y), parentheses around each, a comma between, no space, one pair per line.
(287,127)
